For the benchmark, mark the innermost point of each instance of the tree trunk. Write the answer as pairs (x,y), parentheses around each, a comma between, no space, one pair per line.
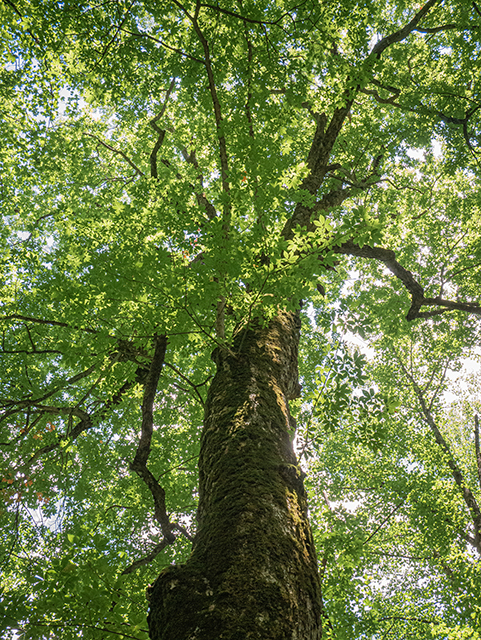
(253,570)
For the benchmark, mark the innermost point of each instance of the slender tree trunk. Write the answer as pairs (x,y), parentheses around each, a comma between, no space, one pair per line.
(253,570)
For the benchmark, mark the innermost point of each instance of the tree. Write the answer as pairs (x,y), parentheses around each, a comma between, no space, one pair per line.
(187,180)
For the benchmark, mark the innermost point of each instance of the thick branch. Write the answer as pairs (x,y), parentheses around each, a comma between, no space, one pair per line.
(471,307)
(322,144)
(325,138)
(388,257)
(402,34)
(158,494)
(143,450)
(150,390)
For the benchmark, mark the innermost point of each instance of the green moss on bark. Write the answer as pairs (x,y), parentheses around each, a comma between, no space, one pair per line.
(253,572)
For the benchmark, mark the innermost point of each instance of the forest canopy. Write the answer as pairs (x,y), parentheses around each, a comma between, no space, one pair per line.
(211,207)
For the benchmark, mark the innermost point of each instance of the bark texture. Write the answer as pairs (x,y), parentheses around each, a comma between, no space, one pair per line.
(253,571)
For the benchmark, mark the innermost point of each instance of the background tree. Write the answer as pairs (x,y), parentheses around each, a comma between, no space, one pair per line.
(181,180)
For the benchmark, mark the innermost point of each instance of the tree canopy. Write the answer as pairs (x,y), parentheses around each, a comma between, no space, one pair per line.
(173,172)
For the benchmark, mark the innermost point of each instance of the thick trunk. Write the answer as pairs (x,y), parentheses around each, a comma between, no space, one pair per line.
(253,571)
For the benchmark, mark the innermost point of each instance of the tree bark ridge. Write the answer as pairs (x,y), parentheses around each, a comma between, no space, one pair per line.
(253,570)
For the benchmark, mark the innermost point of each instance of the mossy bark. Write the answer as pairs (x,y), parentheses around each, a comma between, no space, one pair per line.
(253,571)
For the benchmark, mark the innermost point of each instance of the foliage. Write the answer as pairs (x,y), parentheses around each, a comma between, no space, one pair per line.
(163,175)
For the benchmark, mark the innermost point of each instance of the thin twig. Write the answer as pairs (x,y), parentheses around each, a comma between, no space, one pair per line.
(391,513)
(55,323)
(118,152)
(477,447)
(456,472)
(12,6)
(146,559)
(189,382)
(163,44)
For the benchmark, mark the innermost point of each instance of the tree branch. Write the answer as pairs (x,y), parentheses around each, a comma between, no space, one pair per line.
(183,531)
(146,559)
(160,132)
(447,27)
(143,450)
(53,624)
(202,201)
(150,389)
(189,158)
(477,447)
(423,110)
(23,404)
(55,323)
(388,257)
(156,550)
(215,103)
(456,472)
(402,34)
(86,420)
(163,44)
(233,14)
(391,513)
(186,379)
(395,618)
(118,152)
(325,138)
(84,424)
(119,28)
(12,6)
